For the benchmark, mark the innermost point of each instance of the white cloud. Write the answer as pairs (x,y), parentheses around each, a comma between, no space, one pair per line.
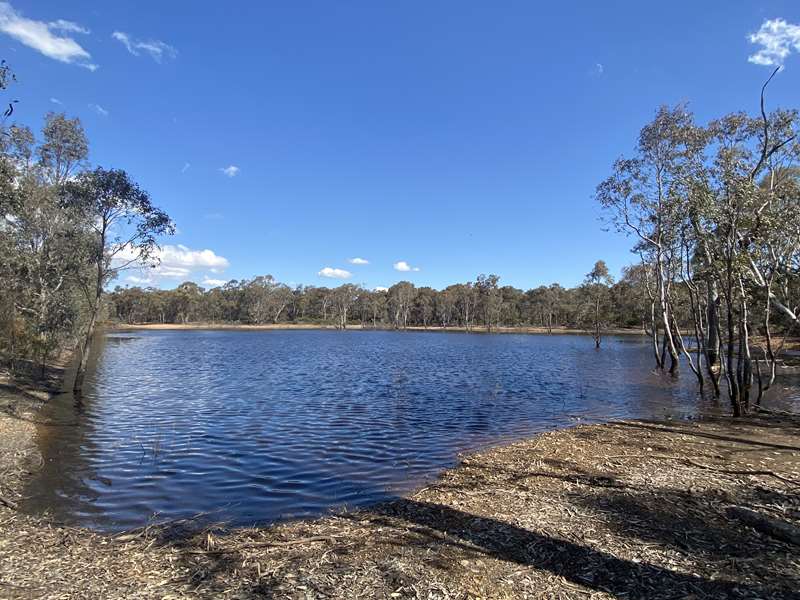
(404,267)
(332,273)
(41,37)
(99,110)
(358,261)
(777,39)
(185,167)
(210,282)
(230,171)
(176,262)
(599,69)
(139,280)
(157,50)
(380,288)
(56,101)
(68,27)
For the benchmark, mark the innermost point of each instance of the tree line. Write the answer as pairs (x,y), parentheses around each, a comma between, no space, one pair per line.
(594,305)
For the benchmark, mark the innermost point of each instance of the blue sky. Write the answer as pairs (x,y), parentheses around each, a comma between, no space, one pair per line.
(448,138)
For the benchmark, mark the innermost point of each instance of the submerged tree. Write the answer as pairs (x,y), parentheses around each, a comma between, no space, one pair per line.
(596,287)
(715,210)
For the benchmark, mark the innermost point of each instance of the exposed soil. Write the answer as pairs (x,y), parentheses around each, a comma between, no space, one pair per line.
(624,510)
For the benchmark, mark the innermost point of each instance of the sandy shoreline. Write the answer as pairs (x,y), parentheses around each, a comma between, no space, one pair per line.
(356,327)
(631,509)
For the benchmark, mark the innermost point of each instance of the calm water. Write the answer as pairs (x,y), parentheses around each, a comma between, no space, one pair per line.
(259,426)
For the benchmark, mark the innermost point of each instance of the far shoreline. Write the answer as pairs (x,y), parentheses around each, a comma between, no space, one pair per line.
(356,327)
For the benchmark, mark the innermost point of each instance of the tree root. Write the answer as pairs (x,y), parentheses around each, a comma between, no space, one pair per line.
(689,461)
(768,525)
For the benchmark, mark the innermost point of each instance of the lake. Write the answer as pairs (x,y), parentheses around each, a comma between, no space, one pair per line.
(258,426)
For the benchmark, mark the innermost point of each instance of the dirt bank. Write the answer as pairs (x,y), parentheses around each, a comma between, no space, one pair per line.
(625,510)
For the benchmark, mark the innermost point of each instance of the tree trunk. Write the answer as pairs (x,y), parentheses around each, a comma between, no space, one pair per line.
(80,373)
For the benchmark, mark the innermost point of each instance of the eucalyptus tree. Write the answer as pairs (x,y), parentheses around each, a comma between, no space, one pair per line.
(425,305)
(377,302)
(40,235)
(65,148)
(466,303)
(299,303)
(716,211)
(266,299)
(186,301)
(400,301)
(596,287)
(748,221)
(644,196)
(446,305)
(344,298)
(489,298)
(121,227)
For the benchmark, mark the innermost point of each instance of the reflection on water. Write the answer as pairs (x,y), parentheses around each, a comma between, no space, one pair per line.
(259,426)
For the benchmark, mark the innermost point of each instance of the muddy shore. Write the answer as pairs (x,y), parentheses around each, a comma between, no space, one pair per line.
(622,510)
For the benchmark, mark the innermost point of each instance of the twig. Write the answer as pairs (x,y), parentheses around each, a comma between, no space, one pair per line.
(9,503)
(708,467)
(308,540)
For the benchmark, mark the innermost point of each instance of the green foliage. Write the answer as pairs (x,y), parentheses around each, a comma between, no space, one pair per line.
(64,234)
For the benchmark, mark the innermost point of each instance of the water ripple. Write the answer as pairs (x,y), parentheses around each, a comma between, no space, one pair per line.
(259,426)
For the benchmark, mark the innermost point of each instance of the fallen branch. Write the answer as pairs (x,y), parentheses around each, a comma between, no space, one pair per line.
(9,503)
(308,540)
(768,525)
(710,468)
(772,411)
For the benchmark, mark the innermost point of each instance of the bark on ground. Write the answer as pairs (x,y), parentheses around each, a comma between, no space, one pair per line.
(624,510)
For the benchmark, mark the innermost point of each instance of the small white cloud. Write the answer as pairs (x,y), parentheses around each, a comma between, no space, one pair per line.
(404,267)
(777,39)
(185,167)
(56,101)
(99,110)
(157,50)
(175,262)
(68,27)
(139,280)
(210,282)
(358,261)
(599,69)
(230,171)
(332,273)
(43,37)
(380,288)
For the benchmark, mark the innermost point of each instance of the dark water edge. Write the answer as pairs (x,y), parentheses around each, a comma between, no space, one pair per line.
(259,426)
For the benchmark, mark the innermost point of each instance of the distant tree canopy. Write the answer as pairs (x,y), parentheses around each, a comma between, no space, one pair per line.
(482,303)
